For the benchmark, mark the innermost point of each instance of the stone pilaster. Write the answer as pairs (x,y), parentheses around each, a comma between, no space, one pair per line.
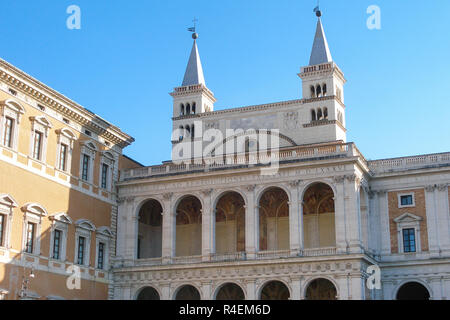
(168,229)
(251,224)
(294,220)
(208,229)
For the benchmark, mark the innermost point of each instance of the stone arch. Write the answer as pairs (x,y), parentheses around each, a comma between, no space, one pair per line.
(274,290)
(149,236)
(187,292)
(188,222)
(147,293)
(229,290)
(413,289)
(290,142)
(273,218)
(229,217)
(321,288)
(318,207)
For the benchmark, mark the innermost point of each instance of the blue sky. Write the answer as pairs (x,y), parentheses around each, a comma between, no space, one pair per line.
(129,55)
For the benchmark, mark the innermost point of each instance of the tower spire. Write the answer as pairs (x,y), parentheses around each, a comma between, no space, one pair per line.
(194,70)
(320,52)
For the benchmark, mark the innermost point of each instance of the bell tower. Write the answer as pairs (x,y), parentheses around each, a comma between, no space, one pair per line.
(323,83)
(192,97)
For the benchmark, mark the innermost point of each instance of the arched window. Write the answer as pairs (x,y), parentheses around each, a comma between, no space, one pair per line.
(318,91)
(193,107)
(192,132)
(325,113)
(188,109)
(319,114)
(181,133)
(324,89)
(182,109)
(313,115)
(313,92)
(188,129)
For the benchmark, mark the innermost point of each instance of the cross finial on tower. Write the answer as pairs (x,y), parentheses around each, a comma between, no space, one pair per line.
(193,29)
(317,10)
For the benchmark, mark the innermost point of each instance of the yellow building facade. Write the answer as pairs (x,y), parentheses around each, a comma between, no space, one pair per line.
(58,166)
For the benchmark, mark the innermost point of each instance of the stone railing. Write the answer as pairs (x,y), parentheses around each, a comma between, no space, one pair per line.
(316,252)
(406,163)
(277,254)
(246,160)
(234,256)
(187,259)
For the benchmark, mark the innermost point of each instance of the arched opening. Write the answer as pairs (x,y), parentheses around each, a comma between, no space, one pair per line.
(182,109)
(189,227)
(313,92)
(274,220)
(148,293)
(319,216)
(275,290)
(181,133)
(324,89)
(193,107)
(230,223)
(321,289)
(413,291)
(230,291)
(188,130)
(187,292)
(150,230)
(319,114)
(325,113)
(318,91)
(192,132)
(313,115)
(188,109)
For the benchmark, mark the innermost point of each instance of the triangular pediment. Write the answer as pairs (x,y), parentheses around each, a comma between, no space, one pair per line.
(61,217)
(8,201)
(408,217)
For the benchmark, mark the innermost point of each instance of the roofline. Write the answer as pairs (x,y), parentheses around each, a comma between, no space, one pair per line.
(53,99)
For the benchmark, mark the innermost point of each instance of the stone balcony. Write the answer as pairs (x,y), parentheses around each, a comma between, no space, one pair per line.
(248,160)
(226,257)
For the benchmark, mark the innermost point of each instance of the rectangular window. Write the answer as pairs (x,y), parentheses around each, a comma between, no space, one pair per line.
(409,240)
(57,244)
(2,228)
(37,145)
(7,139)
(81,244)
(63,157)
(30,237)
(105,169)
(85,171)
(101,255)
(406,200)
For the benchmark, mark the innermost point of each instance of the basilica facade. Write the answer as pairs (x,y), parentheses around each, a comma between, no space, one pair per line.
(272,202)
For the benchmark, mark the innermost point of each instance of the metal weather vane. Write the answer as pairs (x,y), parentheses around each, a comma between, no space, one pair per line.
(193,29)
(317,9)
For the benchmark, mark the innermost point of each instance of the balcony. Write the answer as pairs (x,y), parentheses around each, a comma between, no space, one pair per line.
(248,160)
(226,257)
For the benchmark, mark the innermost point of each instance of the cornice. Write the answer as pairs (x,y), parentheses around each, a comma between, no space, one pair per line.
(49,97)
(259,107)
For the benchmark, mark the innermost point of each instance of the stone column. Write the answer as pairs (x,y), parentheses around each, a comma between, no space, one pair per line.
(294,220)
(340,216)
(165,291)
(352,208)
(127,230)
(207,227)
(251,289)
(206,291)
(296,288)
(432,221)
(443,216)
(385,234)
(168,229)
(251,224)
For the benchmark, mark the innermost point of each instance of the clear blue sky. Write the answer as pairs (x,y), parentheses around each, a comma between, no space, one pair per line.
(129,55)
